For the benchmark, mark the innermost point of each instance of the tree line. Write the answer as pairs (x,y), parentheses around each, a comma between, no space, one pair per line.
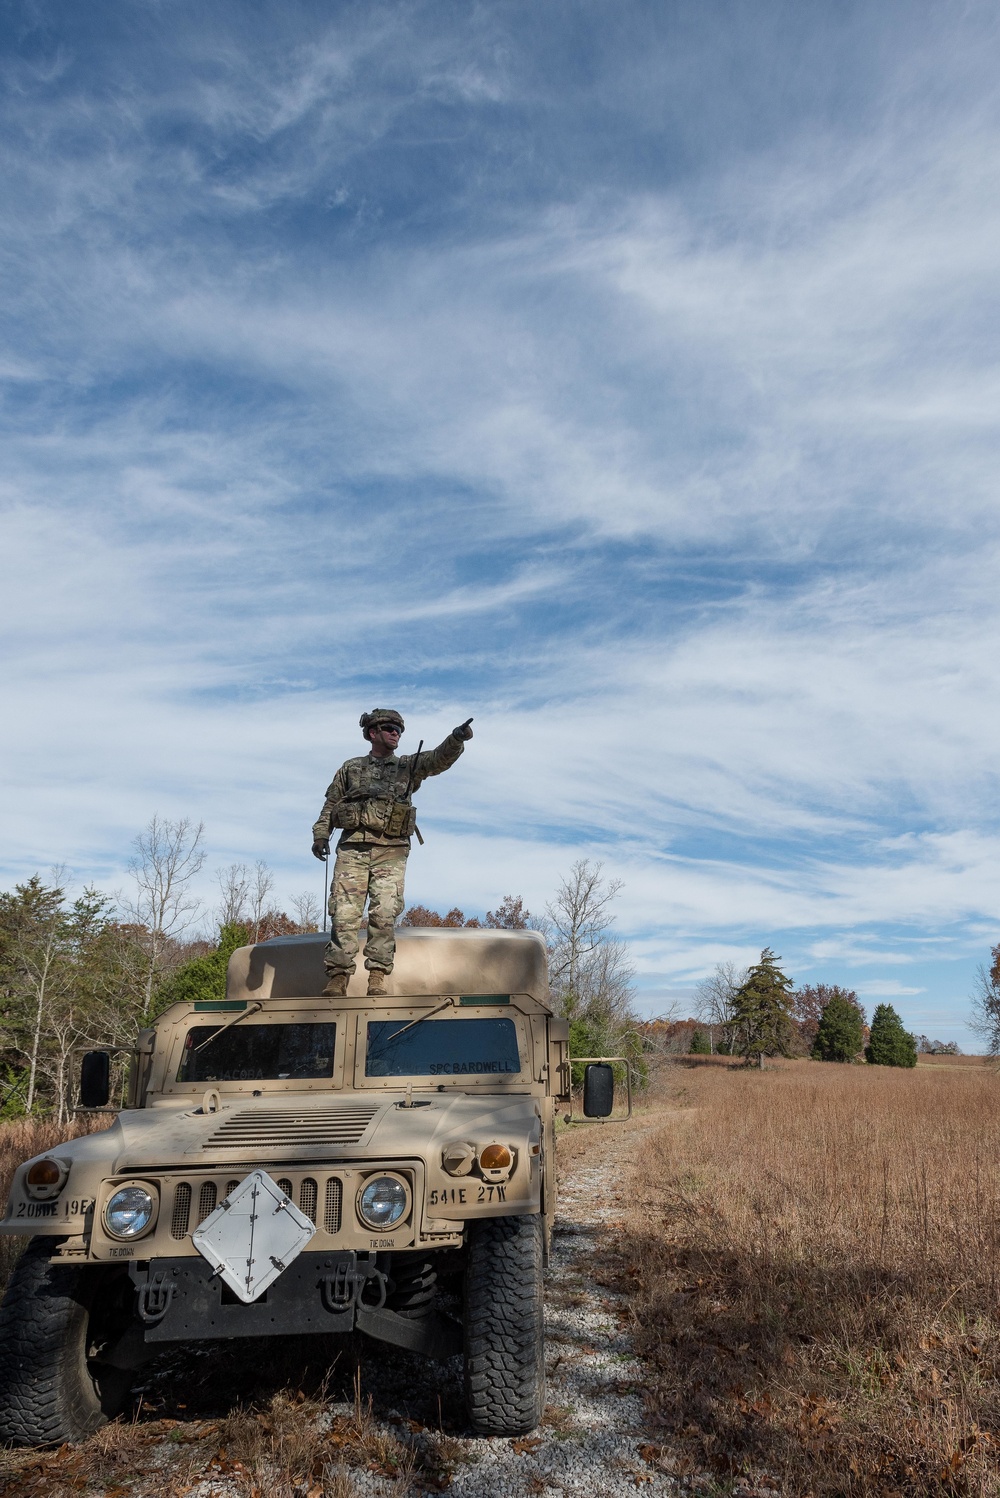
(758,1012)
(94,970)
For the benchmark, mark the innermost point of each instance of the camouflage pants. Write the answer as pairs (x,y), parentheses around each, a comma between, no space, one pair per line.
(375,875)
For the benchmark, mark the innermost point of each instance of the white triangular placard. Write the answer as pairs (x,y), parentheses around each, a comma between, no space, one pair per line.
(253,1235)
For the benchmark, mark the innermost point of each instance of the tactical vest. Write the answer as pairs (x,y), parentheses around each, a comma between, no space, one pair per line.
(385,816)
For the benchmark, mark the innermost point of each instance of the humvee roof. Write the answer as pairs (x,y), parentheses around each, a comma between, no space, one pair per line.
(428,961)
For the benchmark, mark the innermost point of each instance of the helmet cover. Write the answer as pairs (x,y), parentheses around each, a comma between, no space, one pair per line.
(377,717)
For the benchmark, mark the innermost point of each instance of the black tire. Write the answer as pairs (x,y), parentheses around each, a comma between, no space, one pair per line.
(51,1317)
(504,1326)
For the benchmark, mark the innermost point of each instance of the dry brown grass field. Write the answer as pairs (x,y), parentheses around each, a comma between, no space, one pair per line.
(980,1061)
(814,1254)
(812,1258)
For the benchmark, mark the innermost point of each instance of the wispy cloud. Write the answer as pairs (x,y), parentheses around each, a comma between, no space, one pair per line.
(880,988)
(414,353)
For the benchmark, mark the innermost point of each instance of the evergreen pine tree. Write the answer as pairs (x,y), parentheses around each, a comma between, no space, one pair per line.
(762,1013)
(841,1032)
(699,1044)
(889,1043)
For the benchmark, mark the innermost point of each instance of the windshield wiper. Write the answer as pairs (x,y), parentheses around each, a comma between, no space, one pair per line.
(250,1009)
(397,1033)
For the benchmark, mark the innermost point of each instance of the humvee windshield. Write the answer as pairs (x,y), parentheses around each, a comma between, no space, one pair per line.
(442,1048)
(258,1053)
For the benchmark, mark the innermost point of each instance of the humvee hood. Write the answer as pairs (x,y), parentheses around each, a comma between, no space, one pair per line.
(430,1125)
(285,1128)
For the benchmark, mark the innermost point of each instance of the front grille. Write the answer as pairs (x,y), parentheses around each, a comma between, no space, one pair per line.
(304,1190)
(258,1129)
(334,1204)
(181,1214)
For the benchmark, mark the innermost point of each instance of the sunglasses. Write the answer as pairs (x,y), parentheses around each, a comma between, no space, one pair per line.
(387,728)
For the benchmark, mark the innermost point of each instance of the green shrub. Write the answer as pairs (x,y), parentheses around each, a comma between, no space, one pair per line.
(889,1044)
(700,1044)
(598,1037)
(841,1032)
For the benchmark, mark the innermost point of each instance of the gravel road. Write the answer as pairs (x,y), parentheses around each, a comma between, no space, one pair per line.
(595,1441)
(595,1427)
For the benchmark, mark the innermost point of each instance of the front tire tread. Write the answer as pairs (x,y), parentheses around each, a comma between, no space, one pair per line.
(47,1394)
(504,1326)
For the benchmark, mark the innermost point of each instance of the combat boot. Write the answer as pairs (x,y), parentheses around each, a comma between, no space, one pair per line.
(336,987)
(376,982)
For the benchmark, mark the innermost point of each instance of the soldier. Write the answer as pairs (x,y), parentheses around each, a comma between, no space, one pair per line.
(369,798)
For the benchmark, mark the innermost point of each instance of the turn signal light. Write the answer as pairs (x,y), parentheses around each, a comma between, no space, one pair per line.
(44,1179)
(495,1157)
(44,1173)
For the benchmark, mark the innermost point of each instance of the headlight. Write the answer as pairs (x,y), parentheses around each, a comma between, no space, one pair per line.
(129,1212)
(382,1201)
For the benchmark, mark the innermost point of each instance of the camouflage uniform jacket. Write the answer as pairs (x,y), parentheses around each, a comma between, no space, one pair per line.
(363,790)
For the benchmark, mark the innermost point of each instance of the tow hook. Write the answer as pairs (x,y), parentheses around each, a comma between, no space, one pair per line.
(346,1287)
(382,1283)
(154,1298)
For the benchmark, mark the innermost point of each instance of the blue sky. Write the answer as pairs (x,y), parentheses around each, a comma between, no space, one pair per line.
(624,375)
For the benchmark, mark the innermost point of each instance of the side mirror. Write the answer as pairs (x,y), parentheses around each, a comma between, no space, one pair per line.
(95,1079)
(598,1090)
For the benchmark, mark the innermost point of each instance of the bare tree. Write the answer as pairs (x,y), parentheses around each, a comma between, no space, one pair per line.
(234,886)
(307,911)
(581,921)
(168,855)
(714,999)
(244,896)
(39,951)
(591,972)
(65,1033)
(605,981)
(261,885)
(985,1016)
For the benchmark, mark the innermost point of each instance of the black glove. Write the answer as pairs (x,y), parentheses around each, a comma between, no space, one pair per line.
(463,731)
(321,847)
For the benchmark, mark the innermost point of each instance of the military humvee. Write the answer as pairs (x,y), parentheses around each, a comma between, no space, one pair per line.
(287,1165)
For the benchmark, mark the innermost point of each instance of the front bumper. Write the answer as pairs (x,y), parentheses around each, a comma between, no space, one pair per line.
(181,1299)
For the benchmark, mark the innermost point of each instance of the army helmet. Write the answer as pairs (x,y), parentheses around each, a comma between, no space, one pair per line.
(377,717)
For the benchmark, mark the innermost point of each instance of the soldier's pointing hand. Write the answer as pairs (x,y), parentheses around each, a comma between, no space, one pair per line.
(463,731)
